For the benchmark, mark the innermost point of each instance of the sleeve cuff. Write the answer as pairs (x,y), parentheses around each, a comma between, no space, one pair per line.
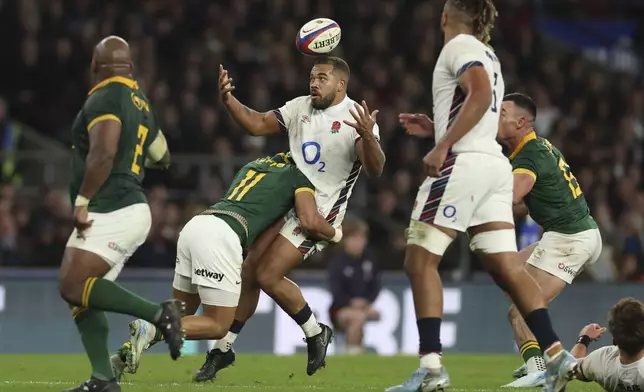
(311,191)
(526,171)
(103,117)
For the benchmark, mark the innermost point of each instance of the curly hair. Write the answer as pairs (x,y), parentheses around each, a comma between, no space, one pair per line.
(626,324)
(482,13)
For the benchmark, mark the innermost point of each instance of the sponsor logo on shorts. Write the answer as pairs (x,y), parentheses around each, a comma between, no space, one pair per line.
(567,269)
(210,275)
(116,247)
(449,212)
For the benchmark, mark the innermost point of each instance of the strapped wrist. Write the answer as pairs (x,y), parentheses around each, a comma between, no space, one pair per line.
(585,340)
(81,201)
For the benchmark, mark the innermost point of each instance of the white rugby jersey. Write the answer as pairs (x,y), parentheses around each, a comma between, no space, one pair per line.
(603,367)
(459,54)
(323,148)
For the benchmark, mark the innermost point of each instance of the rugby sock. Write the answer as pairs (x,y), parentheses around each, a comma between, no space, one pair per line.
(429,332)
(101,294)
(531,354)
(541,326)
(226,343)
(93,329)
(307,321)
(122,352)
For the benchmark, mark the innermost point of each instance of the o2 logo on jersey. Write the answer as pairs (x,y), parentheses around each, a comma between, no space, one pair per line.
(311,153)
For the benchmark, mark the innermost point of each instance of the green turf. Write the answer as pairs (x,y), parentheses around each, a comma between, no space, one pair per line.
(263,373)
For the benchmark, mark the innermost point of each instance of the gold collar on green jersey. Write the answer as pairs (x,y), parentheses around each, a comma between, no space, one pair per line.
(115,79)
(531,136)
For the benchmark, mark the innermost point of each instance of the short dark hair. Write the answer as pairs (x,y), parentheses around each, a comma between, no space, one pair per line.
(626,324)
(523,101)
(337,63)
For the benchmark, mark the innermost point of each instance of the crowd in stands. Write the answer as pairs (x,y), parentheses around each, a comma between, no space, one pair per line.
(594,115)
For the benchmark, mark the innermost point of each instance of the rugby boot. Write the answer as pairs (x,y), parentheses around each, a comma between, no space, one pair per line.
(216,360)
(422,380)
(530,380)
(317,347)
(560,370)
(522,371)
(169,325)
(96,385)
(142,335)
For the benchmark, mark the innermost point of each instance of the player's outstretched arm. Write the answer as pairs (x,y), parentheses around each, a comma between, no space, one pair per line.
(310,219)
(103,145)
(475,83)
(588,364)
(256,123)
(158,153)
(367,147)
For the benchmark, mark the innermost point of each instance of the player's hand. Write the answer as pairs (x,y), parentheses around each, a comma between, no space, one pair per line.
(364,121)
(435,159)
(81,223)
(225,84)
(419,125)
(593,331)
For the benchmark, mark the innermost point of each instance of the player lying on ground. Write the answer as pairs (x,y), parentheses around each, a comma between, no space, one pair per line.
(619,367)
(331,138)
(210,247)
(468,189)
(545,185)
(115,136)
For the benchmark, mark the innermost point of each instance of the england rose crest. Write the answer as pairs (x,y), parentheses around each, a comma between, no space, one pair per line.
(335,127)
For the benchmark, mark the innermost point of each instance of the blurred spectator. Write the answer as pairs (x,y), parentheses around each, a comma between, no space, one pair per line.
(353,277)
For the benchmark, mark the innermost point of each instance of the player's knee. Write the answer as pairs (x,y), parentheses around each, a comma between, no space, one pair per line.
(268,278)
(70,290)
(430,244)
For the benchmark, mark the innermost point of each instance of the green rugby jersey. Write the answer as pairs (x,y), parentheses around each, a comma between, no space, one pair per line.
(556,201)
(262,191)
(117,98)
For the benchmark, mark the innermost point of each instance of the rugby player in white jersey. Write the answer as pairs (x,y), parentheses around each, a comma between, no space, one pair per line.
(620,366)
(331,139)
(469,189)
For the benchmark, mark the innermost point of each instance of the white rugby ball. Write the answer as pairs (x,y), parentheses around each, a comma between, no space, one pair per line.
(319,36)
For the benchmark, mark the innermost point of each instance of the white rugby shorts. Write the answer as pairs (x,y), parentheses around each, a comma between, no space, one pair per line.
(299,239)
(209,252)
(114,236)
(473,189)
(565,255)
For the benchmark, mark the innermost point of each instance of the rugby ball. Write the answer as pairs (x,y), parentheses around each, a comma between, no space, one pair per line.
(319,36)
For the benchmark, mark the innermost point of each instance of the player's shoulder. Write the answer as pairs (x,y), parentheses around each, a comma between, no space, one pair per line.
(300,103)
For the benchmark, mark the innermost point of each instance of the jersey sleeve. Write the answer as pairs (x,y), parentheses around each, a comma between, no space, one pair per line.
(526,163)
(287,114)
(592,366)
(302,184)
(462,54)
(102,105)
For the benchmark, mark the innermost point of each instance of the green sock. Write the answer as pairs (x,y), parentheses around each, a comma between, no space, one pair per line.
(101,294)
(530,349)
(158,336)
(92,325)
(122,352)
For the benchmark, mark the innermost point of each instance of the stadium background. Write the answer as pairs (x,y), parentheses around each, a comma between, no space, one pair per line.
(580,60)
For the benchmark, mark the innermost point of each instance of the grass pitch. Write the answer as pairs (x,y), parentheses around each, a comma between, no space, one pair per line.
(476,373)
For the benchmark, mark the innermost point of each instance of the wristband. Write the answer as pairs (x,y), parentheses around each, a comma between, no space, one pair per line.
(584,339)
(81,201)
(337,237)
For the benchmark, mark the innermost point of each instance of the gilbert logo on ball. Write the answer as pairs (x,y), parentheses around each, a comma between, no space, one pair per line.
(319,36)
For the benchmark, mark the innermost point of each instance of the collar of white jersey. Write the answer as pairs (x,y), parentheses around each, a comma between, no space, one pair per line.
(340,107)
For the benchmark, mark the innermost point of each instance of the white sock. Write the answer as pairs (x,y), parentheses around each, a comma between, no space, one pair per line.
(535,364)
(354,350)
(226,343)
(432,361)
(311,327)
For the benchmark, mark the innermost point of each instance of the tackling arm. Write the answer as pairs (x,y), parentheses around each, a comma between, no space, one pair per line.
(103,145)
(311,220)
(475,83)
(523,182)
